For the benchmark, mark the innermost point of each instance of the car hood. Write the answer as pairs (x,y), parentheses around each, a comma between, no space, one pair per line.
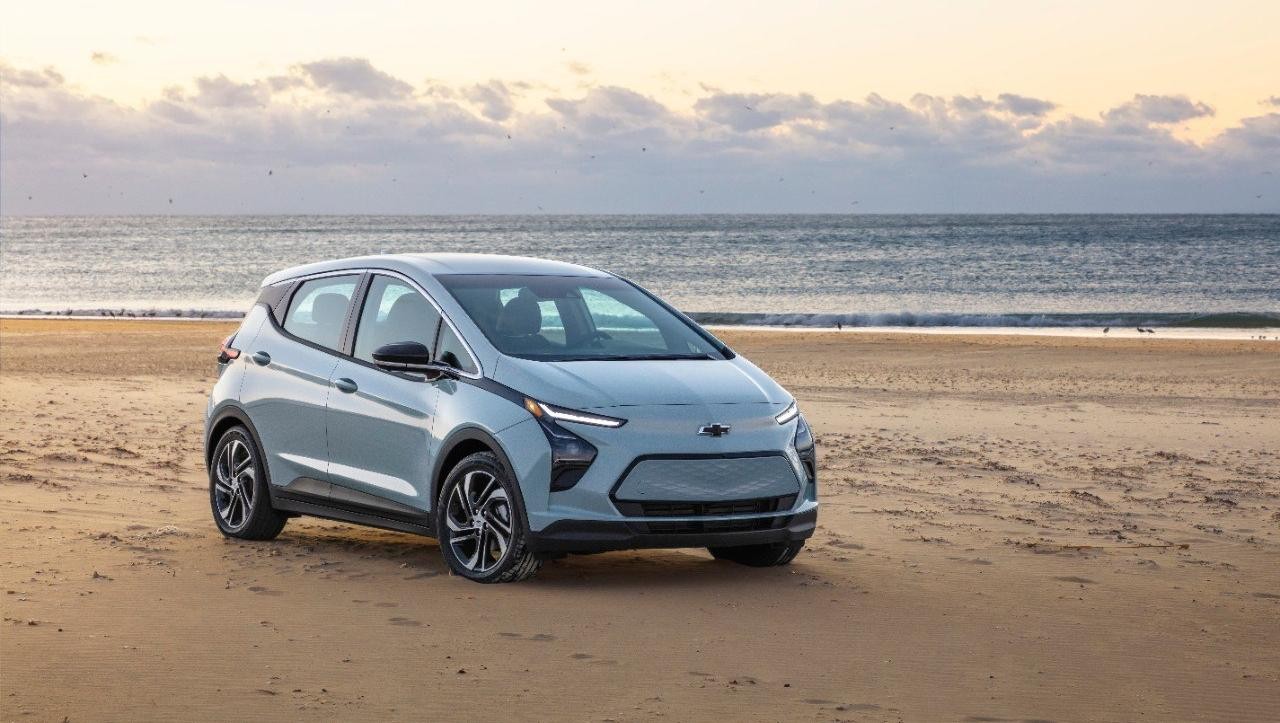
(596,384)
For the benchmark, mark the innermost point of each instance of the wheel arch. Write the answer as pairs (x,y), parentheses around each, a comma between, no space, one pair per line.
(462,443)
(224,419)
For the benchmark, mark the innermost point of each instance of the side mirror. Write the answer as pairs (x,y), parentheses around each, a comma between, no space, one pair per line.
(409,356)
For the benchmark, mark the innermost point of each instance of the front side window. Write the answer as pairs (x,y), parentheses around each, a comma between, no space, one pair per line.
(319,310)
(572,318)
(394,311)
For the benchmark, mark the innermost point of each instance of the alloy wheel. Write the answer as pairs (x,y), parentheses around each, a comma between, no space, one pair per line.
(478,515)
(234,487)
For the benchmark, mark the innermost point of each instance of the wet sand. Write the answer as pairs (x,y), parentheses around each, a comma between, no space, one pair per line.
(1013,528)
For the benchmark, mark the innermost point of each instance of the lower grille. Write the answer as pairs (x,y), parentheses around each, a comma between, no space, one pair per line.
(690,527)
(763,505)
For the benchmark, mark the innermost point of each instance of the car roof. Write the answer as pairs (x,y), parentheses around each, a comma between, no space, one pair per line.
(442,263)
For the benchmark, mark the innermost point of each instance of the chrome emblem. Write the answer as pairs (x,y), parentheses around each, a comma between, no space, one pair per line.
(714,430)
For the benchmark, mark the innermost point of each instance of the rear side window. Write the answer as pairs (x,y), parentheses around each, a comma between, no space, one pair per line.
(319,309)
(394,311)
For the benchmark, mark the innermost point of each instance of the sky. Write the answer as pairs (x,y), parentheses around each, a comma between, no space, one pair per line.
(646,107)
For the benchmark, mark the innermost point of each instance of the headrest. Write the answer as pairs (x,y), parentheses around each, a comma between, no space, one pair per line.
(409,311)
(520,316)
(329,309)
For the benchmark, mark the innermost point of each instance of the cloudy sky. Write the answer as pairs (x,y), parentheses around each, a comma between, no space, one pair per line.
(682,107)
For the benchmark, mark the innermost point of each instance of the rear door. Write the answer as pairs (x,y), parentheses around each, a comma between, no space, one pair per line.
(379,423)
(287,381)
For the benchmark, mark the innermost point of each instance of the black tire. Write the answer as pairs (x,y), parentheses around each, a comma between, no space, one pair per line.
(480,523)
(768,555)
(240,501)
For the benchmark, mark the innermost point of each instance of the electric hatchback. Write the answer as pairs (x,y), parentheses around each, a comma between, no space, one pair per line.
(516,409)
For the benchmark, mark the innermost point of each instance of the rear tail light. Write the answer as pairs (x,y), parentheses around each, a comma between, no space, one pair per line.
(227,352)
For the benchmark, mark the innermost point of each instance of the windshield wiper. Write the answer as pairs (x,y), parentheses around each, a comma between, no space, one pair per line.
(652,357)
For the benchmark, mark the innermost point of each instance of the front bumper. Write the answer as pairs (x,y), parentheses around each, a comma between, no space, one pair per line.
(585,536)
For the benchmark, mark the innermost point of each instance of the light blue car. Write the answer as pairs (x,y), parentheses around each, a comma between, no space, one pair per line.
(516,409)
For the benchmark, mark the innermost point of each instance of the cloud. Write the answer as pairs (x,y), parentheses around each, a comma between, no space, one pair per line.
(493,98)
(1022,105)
(609,110)
(1159,109)
(345,136)
(578,68)
(101,57)
(355,77)
(1273,100)
(222,92)
(23,78)
(755,111)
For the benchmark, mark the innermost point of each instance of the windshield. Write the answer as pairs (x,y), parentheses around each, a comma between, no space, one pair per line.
(576,318)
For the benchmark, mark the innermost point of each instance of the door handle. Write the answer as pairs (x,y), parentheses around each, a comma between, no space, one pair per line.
(345,385)
(261,358)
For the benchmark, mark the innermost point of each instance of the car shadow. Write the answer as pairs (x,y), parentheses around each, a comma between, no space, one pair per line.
(420,557)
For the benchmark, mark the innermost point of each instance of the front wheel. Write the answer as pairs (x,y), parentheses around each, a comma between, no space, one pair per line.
(768,555)
(478,520)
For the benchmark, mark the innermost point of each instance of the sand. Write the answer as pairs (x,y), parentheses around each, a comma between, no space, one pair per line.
(1013,528)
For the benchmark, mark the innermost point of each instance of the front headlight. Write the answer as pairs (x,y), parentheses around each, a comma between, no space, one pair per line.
(806,449)
(788,414)
(560,414)
(571,455)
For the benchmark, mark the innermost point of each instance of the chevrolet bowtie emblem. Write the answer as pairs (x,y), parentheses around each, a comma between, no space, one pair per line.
(715,430)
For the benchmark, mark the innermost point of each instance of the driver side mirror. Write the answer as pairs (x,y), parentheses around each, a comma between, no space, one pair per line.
(409,356)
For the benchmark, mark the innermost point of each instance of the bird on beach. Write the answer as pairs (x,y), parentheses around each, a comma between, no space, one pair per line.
(1106,330)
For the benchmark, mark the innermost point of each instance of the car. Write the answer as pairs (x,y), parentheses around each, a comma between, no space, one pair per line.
(516,409)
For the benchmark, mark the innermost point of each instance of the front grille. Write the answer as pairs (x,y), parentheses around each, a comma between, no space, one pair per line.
(763,505)
(708,478)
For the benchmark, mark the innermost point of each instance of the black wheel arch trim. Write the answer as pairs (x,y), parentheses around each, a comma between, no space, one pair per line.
(233,411)
(474,434)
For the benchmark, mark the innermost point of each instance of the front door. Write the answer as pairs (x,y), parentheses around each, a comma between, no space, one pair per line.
(379,423)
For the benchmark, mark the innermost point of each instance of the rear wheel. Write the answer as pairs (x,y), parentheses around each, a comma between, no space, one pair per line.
(238,489)
(768,555)
(479,523)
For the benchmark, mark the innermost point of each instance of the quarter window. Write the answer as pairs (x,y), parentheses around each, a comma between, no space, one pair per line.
(319,310)
(394,311)
(452,352)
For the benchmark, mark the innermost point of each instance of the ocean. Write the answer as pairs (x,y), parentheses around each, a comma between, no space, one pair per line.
(1010,271)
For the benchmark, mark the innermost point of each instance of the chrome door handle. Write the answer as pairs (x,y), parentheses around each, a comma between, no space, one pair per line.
(345,385)
(261,358)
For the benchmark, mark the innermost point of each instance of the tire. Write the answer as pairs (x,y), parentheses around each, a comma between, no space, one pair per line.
(238,493)
(480,523)
(769,555)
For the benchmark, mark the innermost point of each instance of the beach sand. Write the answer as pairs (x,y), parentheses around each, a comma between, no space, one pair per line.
(1013,528)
